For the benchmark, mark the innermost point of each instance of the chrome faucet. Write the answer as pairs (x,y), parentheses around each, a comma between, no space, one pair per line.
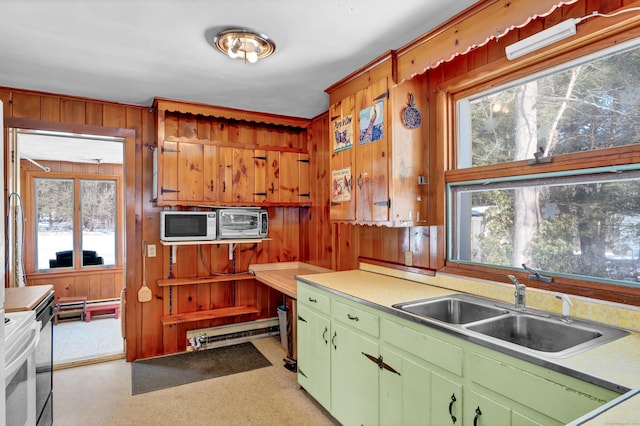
(566,307)
(520,294)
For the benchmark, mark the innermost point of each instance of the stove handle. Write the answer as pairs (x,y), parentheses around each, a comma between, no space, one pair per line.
(26,350)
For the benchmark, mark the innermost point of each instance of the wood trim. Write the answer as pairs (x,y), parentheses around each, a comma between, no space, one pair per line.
(70,273)
(381,67)
(29,177)
(235,144)
(576,161)
(204,280)
(264,204)
(591,289)
(397,266)
(54,126)
(161,104)
(468,30)
(207,315)
(487,68)
(593,35)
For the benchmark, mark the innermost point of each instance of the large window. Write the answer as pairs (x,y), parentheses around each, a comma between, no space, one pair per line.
(545,173)
(75,215)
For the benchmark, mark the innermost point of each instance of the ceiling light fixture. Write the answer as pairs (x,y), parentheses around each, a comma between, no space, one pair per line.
(245,44)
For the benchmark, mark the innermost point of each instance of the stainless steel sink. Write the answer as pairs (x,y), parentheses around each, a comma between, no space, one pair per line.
(540,334)
(522,331)
(453,309)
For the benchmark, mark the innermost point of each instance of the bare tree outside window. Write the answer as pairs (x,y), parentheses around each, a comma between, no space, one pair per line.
(571,222)
(56,222)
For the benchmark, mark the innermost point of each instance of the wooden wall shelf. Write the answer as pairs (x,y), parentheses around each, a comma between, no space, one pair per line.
(231,243)
(192,243)
(204,280)
(207,315)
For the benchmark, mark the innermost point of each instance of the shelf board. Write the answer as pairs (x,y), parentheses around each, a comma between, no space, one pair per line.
(194,243)
(207,315)
(204,280)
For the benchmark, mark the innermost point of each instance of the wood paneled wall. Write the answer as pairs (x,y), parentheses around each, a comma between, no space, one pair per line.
(338,246)
(349,242)
(299,233)
(288,226)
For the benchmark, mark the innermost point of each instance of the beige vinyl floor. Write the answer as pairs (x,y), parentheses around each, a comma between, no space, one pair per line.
(77,341)
(100,394)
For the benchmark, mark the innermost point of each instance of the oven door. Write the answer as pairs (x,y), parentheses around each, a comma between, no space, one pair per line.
(21,379)
(44,363)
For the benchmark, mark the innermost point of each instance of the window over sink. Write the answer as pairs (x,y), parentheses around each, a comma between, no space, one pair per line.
(547,172)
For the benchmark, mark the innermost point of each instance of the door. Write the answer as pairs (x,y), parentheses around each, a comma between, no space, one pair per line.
(405,395)
(372,153)
(354,376)
(314,357)
(446,401)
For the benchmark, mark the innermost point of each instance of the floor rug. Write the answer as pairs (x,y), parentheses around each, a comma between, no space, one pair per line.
(174,370)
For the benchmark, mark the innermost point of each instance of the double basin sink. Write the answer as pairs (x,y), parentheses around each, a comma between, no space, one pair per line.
(537,331)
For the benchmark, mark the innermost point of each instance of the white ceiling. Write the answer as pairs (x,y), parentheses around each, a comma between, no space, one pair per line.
(131,51)
(60,147)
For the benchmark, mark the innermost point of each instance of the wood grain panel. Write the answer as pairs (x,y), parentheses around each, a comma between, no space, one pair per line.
(50,108)
(94,113)
(210,173)
(190,171)
(289,177)
(261,170)
(72,111)
(225,174)
(93,284)
(243,175)
(26,105)
(112,115)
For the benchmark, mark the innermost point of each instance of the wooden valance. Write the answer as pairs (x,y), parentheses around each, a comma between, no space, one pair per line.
(474,27)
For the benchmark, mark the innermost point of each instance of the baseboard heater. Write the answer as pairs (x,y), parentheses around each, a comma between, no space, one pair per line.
(224,335)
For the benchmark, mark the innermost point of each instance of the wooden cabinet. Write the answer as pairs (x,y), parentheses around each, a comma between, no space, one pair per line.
(384,369)
(379,162)
(210,155)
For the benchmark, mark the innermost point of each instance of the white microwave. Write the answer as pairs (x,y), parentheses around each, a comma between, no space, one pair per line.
(188,226)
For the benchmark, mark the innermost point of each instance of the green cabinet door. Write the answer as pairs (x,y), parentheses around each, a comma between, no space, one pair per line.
(482,411)
(405,395)
(446,401)
(354,376)
(314,356)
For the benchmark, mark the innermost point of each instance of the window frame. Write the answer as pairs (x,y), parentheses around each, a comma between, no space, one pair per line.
(31,262)
(499,73)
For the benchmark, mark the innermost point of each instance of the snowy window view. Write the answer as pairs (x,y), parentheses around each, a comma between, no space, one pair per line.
(58,217)
(577,221)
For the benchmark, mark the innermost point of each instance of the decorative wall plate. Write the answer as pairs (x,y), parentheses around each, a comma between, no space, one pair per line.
(411,117)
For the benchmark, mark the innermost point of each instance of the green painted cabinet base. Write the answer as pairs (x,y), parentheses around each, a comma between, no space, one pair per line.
(369,367)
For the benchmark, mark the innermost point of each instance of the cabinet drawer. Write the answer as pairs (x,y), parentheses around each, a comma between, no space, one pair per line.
(422,345)
(356,318)
(313,298)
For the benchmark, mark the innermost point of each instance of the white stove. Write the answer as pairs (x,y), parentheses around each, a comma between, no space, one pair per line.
(15,329)
(21,335)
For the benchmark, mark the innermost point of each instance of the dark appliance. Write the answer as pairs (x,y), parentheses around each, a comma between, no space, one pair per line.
(44,362)
(64,259)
